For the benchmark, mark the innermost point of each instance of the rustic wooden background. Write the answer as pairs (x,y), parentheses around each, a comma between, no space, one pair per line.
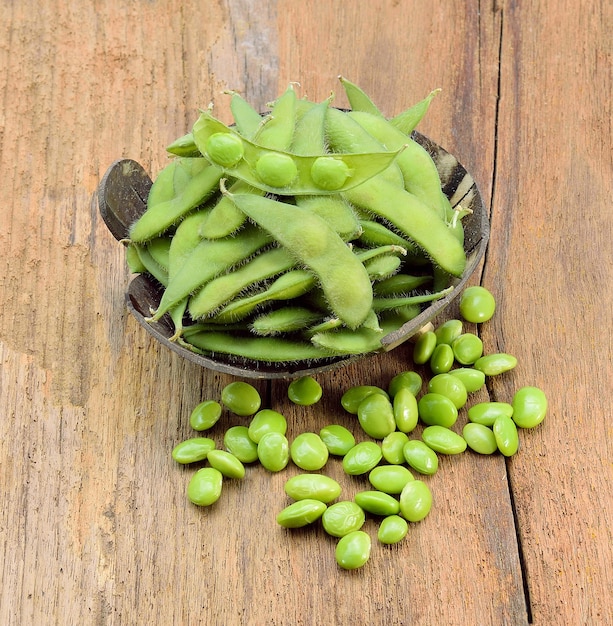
(94,524)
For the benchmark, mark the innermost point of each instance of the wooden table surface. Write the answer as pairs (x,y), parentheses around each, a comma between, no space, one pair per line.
(95,527)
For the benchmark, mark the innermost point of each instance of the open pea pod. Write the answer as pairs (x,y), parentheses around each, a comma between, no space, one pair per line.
(281,172)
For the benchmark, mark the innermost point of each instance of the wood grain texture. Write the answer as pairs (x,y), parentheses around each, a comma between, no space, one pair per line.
(94,525)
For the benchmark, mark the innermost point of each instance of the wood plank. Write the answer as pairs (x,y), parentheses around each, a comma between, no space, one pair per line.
(548,264)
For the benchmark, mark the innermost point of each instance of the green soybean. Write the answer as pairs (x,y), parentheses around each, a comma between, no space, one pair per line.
(442,358)
(415,501)
(392,447)
(406,411)
(193,450)
(486,412)
(529,407)
(467,348)
(424,347)
(477,304)
(304,391)
(226,463)
(409,379)
(362,458)
(309,452)
(507,438)
(266,421)
(473,379)
(392,529)
(237,441)
(451,387)
(443,440)
(376,416)
(448,331)
(241,398)
(479,438)
(312,486)
(377,502)
(435,408)
(338,439)
(205,486)
(494,364)
(273,451)
(353,550)
(205,415)
(352,398)
(390,478)
(343,517)
(301,513)
(421,457)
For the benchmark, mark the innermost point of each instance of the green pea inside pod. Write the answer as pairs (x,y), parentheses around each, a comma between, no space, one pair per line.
(276,169)
(224,149)
(330,173)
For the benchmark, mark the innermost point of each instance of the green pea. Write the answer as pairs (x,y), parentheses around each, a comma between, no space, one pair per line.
(329,173)
(390,478)
(353,550)
(226,463)
(266,421)
(205,415)
(467,348)
(276,169)
(507,438)
(309,452)
(313,487)
(479,438)
(377,502)
(443,440)
(343,517)
(411,380)
(486,412)
(192,450)
(424,347)
(529,407)
(362,458)
(304,391)
(406,413)
(442,359)
(494,364)
(352,398)
(435,408)
(241,398)
(237,441)
(376,416)
(421,457)
(477,304)
(338,439)
(301,513)
(415,501)
(392,447)
(392,529)
(448,331)
(473,379)
(225,149)
(449,386)
(204,488)
(273,451)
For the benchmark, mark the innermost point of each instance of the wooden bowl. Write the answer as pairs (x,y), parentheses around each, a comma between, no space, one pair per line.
(122,199)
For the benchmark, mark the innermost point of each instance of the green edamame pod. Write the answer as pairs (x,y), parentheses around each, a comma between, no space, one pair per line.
(151,265)
(385,304)
(408,120)
(358,98)
(284,320)
(343,279)
(159,217)
(246,118)
(400,284)
(348,341)
(184,147)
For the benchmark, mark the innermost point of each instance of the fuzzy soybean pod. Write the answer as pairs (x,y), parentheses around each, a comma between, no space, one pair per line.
(159,217)
(247,120)
(347,341)
(284,320)
(207,260)
(358,98)
(219,291)
(184,146)
(151,266)
(343,278)
(419,171)
(407,120)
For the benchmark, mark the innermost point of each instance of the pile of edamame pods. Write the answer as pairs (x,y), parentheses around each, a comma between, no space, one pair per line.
(305,233)
(406,427)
